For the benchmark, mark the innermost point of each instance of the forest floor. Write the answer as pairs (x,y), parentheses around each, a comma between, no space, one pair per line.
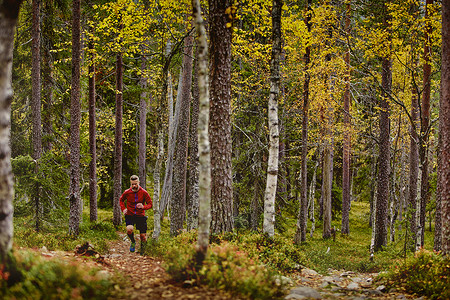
(145,278)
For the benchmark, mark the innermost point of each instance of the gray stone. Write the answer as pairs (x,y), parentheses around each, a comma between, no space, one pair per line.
(309,272)
(306,292)
(381,288)
(353,286)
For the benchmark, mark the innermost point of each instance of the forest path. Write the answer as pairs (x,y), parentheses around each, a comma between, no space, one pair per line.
(145,278)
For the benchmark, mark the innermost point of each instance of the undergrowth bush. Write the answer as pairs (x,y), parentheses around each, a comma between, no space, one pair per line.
(426,273)
(225,267)
(41,278)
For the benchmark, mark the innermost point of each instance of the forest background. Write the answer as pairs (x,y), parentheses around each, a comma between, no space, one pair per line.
(358,109)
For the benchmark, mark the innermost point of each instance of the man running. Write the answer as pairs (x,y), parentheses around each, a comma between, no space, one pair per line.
(133,203)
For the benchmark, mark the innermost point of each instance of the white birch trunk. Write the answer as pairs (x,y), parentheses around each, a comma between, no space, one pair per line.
(272,167)
(204,216)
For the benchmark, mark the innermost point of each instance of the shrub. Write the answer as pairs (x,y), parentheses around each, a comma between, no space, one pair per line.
(427,273)
(225,267)
(52,279)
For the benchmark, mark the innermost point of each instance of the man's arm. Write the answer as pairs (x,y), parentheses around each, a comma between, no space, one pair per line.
(147,201)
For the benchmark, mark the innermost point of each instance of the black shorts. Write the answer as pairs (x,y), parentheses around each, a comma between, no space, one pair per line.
(139,221)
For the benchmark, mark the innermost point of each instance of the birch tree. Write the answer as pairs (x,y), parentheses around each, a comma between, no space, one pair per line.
(203,138)
(9,11)
(272,167)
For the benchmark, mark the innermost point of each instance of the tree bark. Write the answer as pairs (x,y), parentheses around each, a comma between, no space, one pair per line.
(192,195)
(36,139)
(204,219)
(274,136)
(178,201)
(345,228)
(75,113)
(220,116)
(92,138)
(8,16)
(117,214)
(327,185)
(300,234)
(413,168)
(424,128)
(143,127)
(383,160)
(444,129)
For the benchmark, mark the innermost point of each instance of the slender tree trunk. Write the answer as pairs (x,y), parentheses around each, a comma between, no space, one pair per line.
(413,168)
(75,113)
(192,196)
(444,129)
(178,201)
(345,228)
(117,215)
(204,219)
(300,235)
(220,116)
(272,167)
(425,122)
(327,184)
(312,192)
(47,74)
(156,187)
(36,108)
(438,215)
(383,160)
(8,16)
(92,139)
(143,126)
(173,127)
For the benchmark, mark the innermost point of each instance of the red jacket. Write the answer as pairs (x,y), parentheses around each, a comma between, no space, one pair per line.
(132,199)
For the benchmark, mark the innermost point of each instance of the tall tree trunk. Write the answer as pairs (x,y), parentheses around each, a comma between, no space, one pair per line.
(272,166)
(8,16)
(117,215)
(36,107)
(345,228)
(312,192)
(178,201)
(143,125)
(75,113)
(192,195)
(92,138)
(220,116)
(444,129)
(300,234)
(383,160)
(204,219)
(438,215)
(47,73)
(327,184)
(424,128)
(173,127)
(156,187)
(413,167)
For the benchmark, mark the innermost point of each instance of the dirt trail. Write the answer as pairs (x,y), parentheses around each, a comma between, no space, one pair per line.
(146,278)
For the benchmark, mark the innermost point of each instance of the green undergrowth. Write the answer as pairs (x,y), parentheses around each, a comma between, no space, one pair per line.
(227,266)
(30,276)
(56,236)
(427,273)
